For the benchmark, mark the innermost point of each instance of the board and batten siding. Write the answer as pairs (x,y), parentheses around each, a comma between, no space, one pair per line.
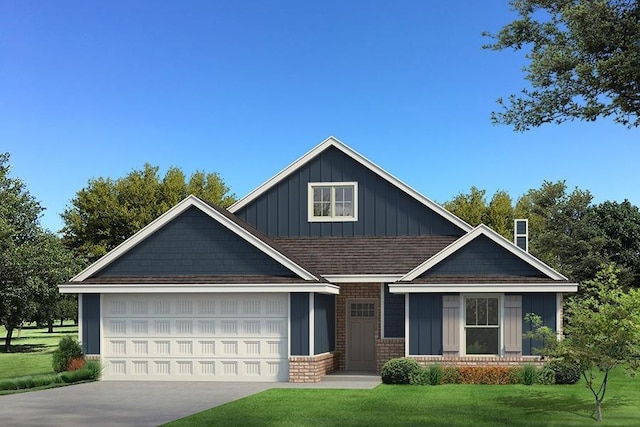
(544,305)
(193,244)
(299,324)
(90,339)
(425,324)
(324,323)
(393,314)
(383,209)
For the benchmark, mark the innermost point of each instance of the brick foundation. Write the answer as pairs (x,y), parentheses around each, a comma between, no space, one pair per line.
(388,348)
(311,369)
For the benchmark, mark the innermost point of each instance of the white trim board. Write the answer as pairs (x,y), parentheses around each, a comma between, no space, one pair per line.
(407,288)
(495,237)
(158,223)
(81,288)
(332,141)
(362,278)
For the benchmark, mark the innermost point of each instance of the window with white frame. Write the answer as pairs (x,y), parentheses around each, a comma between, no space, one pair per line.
(335,201)
(482,325)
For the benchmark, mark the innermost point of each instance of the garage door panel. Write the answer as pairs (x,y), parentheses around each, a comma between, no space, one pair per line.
(213,337)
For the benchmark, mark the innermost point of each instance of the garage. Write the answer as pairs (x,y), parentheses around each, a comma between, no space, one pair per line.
(195,337)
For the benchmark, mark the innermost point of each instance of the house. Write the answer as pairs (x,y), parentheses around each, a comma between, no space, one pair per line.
(332,264)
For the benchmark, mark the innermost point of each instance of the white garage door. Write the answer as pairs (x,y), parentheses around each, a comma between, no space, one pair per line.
(195,337)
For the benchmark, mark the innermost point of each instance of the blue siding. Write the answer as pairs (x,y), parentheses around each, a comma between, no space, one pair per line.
(393,314)
(383,209)
(299,324)
(90,339)
(324,322)
(482,256)
(544,305)
(425,324)
(194,244)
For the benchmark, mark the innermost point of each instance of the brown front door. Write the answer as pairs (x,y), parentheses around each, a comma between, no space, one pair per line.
(361,335)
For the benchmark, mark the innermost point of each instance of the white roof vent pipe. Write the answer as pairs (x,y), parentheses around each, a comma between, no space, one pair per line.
(521,234)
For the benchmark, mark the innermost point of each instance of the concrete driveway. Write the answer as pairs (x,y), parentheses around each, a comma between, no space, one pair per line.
(119,403)
(138,403)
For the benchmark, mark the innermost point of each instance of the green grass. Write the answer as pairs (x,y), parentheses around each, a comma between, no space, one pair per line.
(31,351)
(444,405)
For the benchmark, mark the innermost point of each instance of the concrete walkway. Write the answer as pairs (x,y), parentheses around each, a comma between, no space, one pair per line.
(135,403)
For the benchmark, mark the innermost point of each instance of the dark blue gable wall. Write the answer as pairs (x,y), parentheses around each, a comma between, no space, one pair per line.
(194,244)
(544,305)
(90,339)
(383,209)
(324,319)
(425,324)
(482,256)
(299,323)
(393,314)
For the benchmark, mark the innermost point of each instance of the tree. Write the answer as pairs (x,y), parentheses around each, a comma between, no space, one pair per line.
(619,225)
(603,332)
(499,215)
(19,215)
(583,62)
(470,207)
(107,211)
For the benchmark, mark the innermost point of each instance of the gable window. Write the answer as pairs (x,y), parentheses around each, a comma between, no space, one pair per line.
(335,201)
(482,325)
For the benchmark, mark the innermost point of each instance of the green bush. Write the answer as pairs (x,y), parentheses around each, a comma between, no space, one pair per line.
(68,349)
(95,368)
(398,371)
(546,376)
(529,374)
(515,375)
(75,376)
(435,375)
(450,375)
(419,377)
(566,372)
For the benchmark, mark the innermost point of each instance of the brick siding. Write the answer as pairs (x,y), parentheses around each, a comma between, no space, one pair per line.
(311,369)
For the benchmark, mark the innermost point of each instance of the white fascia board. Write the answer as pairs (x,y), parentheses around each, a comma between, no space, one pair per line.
(147,288)
(497,238)
(332,141)
(172,213)
(362,278)
(400,288)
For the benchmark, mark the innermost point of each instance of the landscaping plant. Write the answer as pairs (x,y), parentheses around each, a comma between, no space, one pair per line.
(398,371)
(68,350)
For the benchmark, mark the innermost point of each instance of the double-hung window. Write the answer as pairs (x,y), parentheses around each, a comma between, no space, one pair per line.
(333,201)
(482,325)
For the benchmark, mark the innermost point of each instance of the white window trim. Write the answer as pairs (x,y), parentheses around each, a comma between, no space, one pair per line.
(463,314)
(332,218)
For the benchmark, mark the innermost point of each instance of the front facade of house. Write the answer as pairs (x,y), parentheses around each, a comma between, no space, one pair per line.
(332,264)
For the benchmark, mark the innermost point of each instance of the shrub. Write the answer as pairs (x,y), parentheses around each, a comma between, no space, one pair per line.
(450,375)
(529,374)
(75,364)
(420,376)
(398,371)
(68,349)
(95,368)
(484,375)
(566,372)
(546,376)
(75,376)
(515,375)
(435,375)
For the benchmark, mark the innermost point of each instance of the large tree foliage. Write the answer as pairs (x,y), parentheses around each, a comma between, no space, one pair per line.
(603,332)
(566,230)
(106,212)
(583,61)
(32,262)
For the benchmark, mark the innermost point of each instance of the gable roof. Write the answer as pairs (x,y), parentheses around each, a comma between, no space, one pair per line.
(229,221)
(334,142)
(483,230)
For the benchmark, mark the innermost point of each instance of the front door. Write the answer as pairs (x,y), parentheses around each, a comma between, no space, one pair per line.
(361,335)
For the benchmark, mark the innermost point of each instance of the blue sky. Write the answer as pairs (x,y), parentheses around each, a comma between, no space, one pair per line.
(243,88)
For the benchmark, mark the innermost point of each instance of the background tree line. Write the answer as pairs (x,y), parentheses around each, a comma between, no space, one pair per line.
(34,261)
(566,230)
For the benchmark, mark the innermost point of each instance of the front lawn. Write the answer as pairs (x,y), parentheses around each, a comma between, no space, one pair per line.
(445,405)
(31,350)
